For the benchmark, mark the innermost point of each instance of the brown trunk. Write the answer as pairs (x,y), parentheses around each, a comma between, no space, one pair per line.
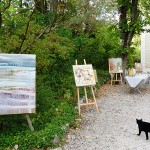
(0,20)
(86,23)
(47,29)
(20,3)
(125,21)
(124,64)
(55,6)
(41,6)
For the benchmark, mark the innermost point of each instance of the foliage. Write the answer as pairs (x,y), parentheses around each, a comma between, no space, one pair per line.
(134,55)
(133,17)
(53,114)
(57,38)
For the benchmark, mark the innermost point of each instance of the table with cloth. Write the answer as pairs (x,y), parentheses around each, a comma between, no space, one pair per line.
(137,80)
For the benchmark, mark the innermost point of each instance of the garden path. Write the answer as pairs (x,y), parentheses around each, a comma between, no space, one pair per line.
(114,127)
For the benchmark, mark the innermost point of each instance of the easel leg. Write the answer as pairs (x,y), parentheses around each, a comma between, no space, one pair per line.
(85,95)
(94,98)
(121,77)
(78,93)
(111,79)
(29,122)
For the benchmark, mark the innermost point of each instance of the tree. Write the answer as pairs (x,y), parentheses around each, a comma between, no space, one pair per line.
(4,6)
(131,23)
(128,25)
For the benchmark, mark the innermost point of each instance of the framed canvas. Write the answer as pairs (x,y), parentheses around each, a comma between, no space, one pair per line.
(84,75)
(115,65)
(17,83)
(138,67)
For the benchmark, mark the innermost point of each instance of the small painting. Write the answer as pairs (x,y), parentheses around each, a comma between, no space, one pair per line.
(115,65)
(95,75)
(84,75)
(138,67)
(17,83)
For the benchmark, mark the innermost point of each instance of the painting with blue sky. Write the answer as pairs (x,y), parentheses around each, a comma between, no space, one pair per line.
(17,83)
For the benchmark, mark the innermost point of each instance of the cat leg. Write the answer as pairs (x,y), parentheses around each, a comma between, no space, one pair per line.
(146,135)
(139,132)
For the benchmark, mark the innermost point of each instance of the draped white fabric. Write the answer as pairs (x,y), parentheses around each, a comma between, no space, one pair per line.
(136,80)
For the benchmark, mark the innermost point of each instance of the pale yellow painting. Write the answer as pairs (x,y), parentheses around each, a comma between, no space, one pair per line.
(84,75)
(95,75)
(115,65)
(138,67)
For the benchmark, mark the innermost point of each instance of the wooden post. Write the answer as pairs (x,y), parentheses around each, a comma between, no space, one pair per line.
(29,122)
(86,98)
(78,93)
(84,61)
(94,98)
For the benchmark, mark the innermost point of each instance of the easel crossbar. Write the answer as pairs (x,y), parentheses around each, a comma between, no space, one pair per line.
(88,104)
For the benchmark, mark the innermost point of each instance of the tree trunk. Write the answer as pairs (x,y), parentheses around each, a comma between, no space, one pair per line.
(41,6)
(86,23)
(129,15)
(2,10)
(0,20)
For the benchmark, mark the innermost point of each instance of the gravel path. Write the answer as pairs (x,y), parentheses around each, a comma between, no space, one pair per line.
(114,127)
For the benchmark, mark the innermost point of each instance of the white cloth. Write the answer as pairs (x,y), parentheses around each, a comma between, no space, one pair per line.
(137,79)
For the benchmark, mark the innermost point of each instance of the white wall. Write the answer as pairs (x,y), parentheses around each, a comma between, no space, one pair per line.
(145,50)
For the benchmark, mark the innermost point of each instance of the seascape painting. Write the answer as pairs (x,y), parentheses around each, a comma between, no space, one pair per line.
(84,75)
(115,65)
(17,83)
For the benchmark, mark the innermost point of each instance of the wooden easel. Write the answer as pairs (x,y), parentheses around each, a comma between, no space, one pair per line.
(86,98)
(116,77)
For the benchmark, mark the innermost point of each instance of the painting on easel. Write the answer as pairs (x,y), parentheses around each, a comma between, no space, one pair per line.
(17,83)
(84,75)
(115,65)
(138,67)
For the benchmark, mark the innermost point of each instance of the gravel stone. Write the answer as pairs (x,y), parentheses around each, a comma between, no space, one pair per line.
(114,127)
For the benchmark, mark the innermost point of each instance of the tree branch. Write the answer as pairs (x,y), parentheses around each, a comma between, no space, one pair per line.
(26,31)
(6,6)
(1,11)
(122,24)
(47,29)
(134,19)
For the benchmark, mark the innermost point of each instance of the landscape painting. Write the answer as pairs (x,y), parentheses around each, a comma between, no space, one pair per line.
(84,75)
(17,83)
(115,65)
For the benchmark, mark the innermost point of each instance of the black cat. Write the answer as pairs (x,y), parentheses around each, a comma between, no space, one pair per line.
(143,126)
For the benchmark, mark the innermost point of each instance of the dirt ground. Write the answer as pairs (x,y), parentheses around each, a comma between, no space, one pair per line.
(114,126)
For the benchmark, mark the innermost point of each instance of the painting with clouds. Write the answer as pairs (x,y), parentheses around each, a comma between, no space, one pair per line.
(17,83)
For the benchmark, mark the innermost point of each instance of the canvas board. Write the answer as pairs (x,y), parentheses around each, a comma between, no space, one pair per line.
(17,83)
(138,67)
(95,75)
(84,75)
(115,65)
